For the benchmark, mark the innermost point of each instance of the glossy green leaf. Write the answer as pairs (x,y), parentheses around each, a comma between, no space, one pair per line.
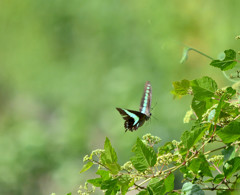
(86,166)
(191,189)
(203,88)
(228,62)
(144,158)
(230,133)
(109,157)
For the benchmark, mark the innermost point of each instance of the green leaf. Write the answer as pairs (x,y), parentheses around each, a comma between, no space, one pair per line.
(86,166)
(225,192)
(230,133)
(191,189)
(231,166)
(228,62)
(181,88)
(203,88)
(111,186)
(144,192)
(186,172)
(228,153)
(218,178)
(228,94)
(204,167)
(169,183)
(156,187)
(96,182)
(161,187)
(124,182)
(229,110)
(109,157)
(230,91)
(144,158)
(189,139)
(199,107)
(200,166)
(105,175)
(219,107)
(166,148)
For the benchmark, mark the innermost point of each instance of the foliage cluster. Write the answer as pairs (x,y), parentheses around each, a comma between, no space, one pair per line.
(214,115)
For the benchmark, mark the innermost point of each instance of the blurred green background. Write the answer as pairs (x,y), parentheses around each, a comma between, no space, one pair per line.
(66,65)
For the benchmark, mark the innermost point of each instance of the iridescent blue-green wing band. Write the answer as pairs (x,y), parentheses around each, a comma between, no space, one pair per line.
(133,119)
(145,105)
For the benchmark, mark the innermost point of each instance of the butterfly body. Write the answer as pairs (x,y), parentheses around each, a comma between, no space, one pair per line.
(135,119)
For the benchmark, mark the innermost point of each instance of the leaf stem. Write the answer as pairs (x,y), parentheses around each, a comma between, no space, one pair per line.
(207,56)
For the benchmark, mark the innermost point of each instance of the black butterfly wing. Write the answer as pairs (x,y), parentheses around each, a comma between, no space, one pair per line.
(133,119)
(145,105)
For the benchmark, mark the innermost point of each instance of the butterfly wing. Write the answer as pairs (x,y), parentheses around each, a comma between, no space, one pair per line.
(145,105)
(133,119)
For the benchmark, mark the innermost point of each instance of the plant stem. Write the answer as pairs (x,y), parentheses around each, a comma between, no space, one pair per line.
(209,57)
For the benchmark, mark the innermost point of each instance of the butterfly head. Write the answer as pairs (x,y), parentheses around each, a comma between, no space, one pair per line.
(148,116)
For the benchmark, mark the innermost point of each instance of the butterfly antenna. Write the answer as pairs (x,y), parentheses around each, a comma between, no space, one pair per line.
(154,106)
(155,118)
(152,109)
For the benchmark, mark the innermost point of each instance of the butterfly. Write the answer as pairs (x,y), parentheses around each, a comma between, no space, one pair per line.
(135,119)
